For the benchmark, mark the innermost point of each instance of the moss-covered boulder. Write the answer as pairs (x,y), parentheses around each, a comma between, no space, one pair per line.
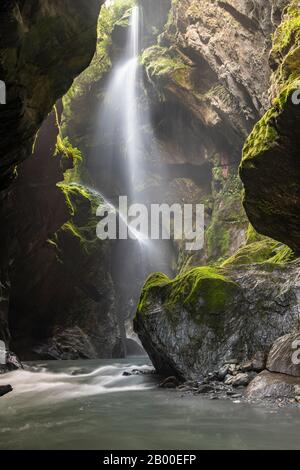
(270,168)
(190,325)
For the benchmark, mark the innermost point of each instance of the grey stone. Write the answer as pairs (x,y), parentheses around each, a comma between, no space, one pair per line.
(240,380)
(259,361)
(246,366)
(180,345)
(170,382)
(284,356)
(205,389)
(222,373)
(5,389)
(271,385)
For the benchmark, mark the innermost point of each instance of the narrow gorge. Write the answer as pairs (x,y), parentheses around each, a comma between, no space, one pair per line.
(180,103)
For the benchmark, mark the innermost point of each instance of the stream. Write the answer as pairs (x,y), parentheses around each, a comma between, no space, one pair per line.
(90,405)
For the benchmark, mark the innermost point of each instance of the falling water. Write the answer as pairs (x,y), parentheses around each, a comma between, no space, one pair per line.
(131,101)
(120,123)
(119,114)
(121,129)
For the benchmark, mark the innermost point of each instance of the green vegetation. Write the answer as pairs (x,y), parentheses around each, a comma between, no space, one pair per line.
(286,51)
(65,148)
(228,215)
(81,202)
(82,206)
(161,62)
(288,33)
(117,14)
(263,137)
(260,249)
(204,292)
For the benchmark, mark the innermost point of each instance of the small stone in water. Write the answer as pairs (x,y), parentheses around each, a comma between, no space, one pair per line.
(240,380)
(204,389)
(4,389)
(170,382)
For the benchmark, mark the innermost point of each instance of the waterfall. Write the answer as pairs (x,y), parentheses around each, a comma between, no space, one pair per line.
(122,134)
(119,114)
(131,99)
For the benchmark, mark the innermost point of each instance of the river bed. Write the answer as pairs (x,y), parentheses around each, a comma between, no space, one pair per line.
(91,405)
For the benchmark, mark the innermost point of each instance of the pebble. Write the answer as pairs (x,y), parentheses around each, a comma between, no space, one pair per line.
(204,389)
(4,389)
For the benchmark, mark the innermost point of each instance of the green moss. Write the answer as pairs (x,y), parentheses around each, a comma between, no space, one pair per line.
(283,255)
(204,292)
(186,288)
(228,215)
(82,205)
(256,252)
(162,62)
(218,240)
(289,31)
(263,137)
(156,280)
(117,14)
(171,14)
(65,148)
(253,235)
(286,51)
(260,249)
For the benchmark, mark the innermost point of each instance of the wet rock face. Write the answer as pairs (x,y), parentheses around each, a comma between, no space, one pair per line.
(270,167)
(191,336)
(213,58)
(62,295)
(44,45)
(12,363)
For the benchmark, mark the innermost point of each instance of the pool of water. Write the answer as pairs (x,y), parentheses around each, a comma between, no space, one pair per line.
(91,405)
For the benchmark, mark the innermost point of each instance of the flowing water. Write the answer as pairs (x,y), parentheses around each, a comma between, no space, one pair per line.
(91,405)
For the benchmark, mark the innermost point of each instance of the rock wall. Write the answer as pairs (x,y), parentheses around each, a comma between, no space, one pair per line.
(270,167)
(241,305)
(51,305)
(212,61)
(39,40)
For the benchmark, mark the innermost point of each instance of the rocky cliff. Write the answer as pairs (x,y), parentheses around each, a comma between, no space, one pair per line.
(214,58)
(270,167)
(49,258)
(39,40)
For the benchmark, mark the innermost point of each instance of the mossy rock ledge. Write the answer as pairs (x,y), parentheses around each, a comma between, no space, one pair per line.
(270,167)
(190,325)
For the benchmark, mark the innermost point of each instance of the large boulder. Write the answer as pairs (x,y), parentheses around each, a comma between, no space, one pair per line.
(269,385)
(191,325)
(284,356)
